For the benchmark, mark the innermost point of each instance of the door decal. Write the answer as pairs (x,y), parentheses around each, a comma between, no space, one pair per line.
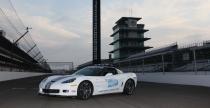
(112,82)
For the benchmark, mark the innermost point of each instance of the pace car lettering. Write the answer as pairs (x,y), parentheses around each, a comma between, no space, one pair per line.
(112,82)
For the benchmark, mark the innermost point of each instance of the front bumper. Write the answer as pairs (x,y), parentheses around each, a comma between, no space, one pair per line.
(65,90)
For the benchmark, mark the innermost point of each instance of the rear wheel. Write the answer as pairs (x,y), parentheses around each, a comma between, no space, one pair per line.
(85,90)
(129,87)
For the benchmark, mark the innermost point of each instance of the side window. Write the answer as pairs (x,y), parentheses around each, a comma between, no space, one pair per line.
(104,72)
(112,70)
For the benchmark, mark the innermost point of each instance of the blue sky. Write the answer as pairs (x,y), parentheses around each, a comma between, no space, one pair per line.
(62,28)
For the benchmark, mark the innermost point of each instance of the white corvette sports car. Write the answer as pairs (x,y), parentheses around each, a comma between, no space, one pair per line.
(92,80)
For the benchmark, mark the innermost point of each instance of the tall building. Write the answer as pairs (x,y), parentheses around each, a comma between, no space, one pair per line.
(128,38)
(96,31)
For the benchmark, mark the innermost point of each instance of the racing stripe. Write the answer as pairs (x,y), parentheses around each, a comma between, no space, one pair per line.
(48,85)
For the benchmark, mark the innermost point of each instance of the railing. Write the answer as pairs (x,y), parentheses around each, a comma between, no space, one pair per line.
(203,67)
(199,44)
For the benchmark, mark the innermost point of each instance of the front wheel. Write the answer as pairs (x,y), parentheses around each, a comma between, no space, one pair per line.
(129,87)
(85,90)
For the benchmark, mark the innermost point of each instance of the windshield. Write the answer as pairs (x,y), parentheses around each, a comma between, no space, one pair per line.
(89,71)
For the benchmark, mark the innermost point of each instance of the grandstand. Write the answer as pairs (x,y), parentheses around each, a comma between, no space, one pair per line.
(18,51)
(171,58)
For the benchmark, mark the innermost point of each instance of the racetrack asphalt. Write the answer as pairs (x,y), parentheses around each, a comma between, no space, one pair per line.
(22,93)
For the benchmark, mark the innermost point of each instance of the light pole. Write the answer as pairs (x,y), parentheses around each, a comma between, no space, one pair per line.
(195,61)
(163,63)
(27,30)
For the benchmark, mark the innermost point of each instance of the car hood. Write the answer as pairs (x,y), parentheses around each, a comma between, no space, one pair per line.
(61,78)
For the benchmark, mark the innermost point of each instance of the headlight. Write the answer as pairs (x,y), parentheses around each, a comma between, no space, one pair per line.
(69,81)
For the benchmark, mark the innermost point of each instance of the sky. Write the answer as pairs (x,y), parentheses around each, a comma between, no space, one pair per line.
(63,28)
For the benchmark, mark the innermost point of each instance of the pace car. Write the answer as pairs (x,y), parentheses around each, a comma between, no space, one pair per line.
(89,81)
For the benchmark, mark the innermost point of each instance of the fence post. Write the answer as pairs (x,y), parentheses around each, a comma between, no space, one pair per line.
(143,66)
(195,63)
(163,64)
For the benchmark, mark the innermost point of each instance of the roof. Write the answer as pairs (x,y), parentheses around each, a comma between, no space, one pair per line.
(95,66)
(100,66)
(131,47)
(129,29)
(132,39)
(125,18)
(156,51)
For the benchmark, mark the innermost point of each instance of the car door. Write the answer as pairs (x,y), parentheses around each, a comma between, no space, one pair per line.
(99,84)
(113,81)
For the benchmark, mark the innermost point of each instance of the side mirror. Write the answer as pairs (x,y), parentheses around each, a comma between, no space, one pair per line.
(109,74)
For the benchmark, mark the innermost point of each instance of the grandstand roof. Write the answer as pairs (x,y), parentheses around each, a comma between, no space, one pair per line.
(167,49)
(155,51)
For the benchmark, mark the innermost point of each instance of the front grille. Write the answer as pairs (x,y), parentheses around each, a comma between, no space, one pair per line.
(50,90)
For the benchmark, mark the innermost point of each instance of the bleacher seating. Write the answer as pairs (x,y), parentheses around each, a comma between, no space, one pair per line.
(176,59)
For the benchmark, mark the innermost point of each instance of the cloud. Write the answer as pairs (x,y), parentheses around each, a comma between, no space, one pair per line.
(169,21)
(48,33)
(44,24)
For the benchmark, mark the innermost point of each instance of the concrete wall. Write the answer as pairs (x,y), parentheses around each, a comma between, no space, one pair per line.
(185,78)
(4,76)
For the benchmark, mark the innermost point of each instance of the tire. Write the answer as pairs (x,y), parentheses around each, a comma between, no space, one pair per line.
(129,87)
(85,90)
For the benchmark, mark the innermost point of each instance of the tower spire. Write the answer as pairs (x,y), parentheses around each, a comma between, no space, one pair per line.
(96,32)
